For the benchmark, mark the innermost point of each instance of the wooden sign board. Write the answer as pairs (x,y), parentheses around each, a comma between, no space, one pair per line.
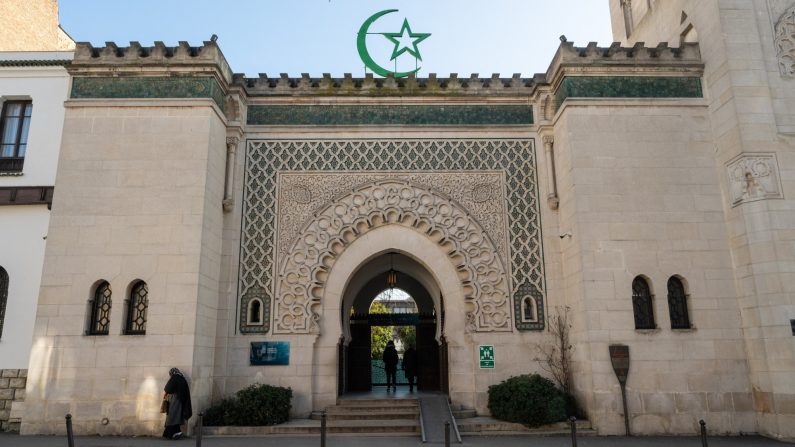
(619,357)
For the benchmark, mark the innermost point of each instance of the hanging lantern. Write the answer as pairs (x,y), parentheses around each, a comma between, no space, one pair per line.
(391,278)
(391,275)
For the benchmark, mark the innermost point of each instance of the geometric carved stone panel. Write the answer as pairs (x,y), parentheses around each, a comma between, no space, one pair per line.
(785,43)
(753,177)
(388,199)
(514,158)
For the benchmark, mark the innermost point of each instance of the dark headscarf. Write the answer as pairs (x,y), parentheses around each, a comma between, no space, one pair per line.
(178,386)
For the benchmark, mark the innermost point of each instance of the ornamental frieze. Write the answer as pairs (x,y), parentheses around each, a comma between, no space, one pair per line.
(301,194)
(393,200)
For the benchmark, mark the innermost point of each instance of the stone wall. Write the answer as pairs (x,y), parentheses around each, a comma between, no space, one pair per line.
(137,192)
(640,196)
(12,389)
(752,120)
(32,25)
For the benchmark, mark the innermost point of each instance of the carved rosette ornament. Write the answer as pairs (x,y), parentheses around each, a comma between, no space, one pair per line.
(753,177)
(785,43)
(304,272)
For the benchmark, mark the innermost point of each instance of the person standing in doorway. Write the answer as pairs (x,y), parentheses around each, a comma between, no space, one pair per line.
(410,366)
(390,365)
(179,411)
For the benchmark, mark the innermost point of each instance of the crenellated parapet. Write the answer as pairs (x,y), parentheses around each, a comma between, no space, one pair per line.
(639,53)
(622,72)
(185,71)
(638,59)
(369,85)
(160,57)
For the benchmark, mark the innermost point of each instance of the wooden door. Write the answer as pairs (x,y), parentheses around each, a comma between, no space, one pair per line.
(427,357)
(359,358)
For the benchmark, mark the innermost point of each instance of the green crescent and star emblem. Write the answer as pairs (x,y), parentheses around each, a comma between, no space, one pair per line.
(405,41)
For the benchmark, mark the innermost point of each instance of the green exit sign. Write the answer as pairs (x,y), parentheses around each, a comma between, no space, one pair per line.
(487,357)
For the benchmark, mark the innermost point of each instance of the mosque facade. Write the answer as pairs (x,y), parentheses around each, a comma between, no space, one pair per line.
(645,190)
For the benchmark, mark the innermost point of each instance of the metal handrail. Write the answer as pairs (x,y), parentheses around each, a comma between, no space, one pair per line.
(422,422)
(454,423)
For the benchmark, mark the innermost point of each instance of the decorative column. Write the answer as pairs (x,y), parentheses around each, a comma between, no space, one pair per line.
(629,21)
(552,195)
(229,185)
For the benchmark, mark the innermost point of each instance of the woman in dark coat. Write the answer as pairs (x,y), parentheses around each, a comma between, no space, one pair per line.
(410,366)
(390,365)
(179,409)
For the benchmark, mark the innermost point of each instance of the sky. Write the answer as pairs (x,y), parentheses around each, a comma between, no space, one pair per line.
(320,36)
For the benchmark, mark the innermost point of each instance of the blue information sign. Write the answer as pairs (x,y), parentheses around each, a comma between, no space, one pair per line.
(270,353)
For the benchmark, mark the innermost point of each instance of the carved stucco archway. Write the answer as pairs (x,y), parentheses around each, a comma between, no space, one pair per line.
(443,276)
(303,275)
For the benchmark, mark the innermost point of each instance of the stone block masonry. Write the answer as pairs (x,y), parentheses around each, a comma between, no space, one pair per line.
(12,388)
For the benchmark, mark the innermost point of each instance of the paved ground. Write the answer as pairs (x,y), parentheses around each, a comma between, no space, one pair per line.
(7,440)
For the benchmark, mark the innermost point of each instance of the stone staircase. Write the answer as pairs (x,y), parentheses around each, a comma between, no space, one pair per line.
(350,417)
(393,417)
(374,417)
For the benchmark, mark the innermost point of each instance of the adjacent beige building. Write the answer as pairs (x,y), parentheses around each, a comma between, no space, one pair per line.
(32,25)
(198,213)
(33,87)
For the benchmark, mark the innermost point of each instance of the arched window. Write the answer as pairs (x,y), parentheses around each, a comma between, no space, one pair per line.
(528,309)
(255,312)
(136,309)
(100,303)
(677,304)
(642,304)
(3,297)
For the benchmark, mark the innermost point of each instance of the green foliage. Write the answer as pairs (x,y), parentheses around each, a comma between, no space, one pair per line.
(407,336)
(528,399)
(256,405)
(220,414)
(379,335)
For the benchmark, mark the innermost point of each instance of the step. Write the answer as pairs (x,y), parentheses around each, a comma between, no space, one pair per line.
(464,414)
(375,426)
(530,433)
(376,402)
(373,408)
(395,427)
(491,426)
(294,427)
(339,415)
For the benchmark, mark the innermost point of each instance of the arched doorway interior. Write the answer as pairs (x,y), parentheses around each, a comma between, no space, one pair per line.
(358,368)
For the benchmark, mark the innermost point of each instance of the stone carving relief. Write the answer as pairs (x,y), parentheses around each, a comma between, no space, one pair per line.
(753,177)
(300,194)
(515,232)
(785,43)
(389,201)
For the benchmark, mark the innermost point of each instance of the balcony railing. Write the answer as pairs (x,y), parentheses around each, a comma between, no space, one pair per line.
(11,164)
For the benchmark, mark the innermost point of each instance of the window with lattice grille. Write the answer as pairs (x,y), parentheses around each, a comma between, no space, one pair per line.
(3,297)
(137,306)
(642,304)
(99,323)
(677,304)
